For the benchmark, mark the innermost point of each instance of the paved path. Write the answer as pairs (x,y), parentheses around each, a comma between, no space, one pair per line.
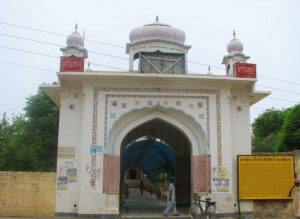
(139,206)
(147,206)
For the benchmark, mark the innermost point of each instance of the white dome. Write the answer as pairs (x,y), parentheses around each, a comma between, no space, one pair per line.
(235,46)
(157,31)
(75,39)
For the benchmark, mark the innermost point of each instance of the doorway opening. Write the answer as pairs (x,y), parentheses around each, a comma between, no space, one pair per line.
(150,154)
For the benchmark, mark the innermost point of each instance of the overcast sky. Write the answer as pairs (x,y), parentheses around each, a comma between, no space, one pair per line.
(268,29)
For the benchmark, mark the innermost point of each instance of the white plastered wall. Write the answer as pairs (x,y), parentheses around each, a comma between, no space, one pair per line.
(69,146)
(241,136)
(92,200)
(76,129)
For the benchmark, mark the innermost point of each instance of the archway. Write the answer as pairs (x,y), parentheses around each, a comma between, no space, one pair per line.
(158,156)
(172,127)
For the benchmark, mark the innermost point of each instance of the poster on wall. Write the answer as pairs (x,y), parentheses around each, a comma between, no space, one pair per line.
(265,177)
(62,183)
(220,179)
(72,174)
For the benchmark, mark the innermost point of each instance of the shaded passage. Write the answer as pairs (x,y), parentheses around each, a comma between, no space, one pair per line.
(139,206)
(148,155)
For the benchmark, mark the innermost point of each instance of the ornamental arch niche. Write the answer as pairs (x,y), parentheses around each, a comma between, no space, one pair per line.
(177,129)
(184,123)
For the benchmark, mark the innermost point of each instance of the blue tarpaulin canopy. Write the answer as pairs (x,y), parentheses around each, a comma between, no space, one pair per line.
(148,155)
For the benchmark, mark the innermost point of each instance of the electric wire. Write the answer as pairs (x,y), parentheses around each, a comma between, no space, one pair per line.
(116,68)
(12,108)
(26,66)
(279,80)
(107,66)
(59,34)
(278,89)
(57,57)
(44,42)
(33,40)
(26,51)
(291,101)
(59,45)
(198,63)
(94,41)
(33,67)
(110,44)
(111,67)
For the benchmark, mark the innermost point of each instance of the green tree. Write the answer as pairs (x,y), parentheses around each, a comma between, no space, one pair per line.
(32,138)
(16,155)
(266,130)
(290,134)
(42,130)
(5,133)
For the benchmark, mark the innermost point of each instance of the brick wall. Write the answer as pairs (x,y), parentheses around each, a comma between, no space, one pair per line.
(273,209)
(27,194)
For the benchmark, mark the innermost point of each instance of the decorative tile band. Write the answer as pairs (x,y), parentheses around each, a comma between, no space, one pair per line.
(150,96)
(94,137)
(219,127)
(160,90)
(95,111)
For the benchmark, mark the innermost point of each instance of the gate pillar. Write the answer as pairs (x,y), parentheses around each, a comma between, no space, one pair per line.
(201,173)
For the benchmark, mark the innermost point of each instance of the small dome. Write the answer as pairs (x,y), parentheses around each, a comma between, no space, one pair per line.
(157,31)
(235,45)
(75,39)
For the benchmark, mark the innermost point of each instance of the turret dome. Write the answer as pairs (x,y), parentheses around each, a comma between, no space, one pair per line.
(235,46)
(75,39)
(157,31)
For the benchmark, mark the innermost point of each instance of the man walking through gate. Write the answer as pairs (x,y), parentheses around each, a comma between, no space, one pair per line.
(142,187)
(171,203)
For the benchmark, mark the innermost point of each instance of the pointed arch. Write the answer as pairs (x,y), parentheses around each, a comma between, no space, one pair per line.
(181,121)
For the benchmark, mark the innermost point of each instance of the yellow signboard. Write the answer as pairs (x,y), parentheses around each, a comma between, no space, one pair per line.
(265,177)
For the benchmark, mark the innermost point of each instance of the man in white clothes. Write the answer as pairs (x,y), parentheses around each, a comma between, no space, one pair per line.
(171,199)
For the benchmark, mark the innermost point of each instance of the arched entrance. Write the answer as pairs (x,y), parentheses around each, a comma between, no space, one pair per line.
(167,152)
(173,127)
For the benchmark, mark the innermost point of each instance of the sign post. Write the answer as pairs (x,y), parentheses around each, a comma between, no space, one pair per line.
(245,70)
(265,177)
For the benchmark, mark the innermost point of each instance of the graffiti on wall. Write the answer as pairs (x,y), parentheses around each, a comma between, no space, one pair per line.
(93,170)
(96,149)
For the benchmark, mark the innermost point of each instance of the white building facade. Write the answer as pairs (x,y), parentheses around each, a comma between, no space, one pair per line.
(101,111)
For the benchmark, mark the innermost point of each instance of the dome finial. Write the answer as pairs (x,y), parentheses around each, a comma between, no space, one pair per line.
(75,38)
(235,45)
(157,31)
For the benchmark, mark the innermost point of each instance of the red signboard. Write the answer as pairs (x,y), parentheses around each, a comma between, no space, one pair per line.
(245,70)
(71,63)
